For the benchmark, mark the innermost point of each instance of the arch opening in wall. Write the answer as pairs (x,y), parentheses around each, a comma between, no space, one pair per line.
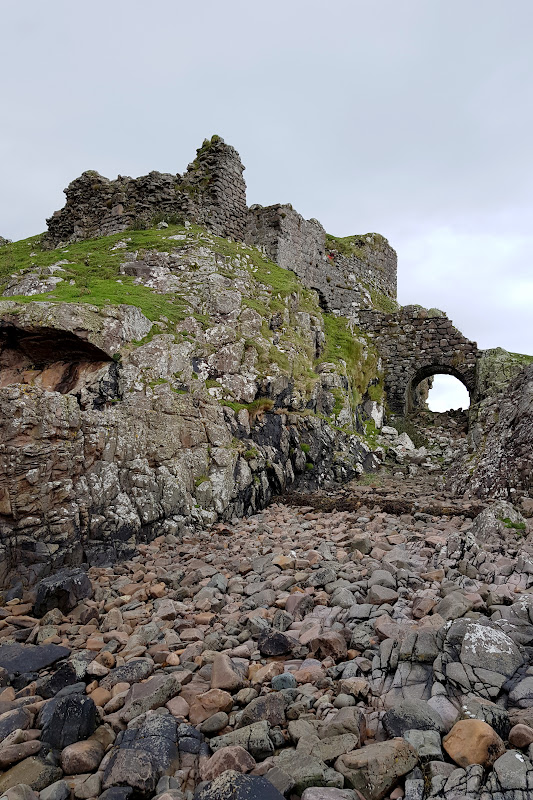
(438,387)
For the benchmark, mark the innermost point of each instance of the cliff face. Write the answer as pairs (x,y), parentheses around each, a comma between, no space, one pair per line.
(500,459)
(222,383)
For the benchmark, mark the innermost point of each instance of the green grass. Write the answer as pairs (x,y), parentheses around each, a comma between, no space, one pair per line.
(382,302)
(370,479)
(93,276)
(517,526)
(376,392)
(519,357)
(354,245)
(95,272)
(344,344)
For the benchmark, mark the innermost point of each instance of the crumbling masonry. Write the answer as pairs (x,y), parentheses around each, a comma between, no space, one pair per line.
(414,343)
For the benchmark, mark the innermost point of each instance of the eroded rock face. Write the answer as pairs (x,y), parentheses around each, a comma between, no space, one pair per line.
(107,441)
(502,437)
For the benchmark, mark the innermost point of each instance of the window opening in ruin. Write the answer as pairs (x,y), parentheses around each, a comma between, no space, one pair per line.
(447,393)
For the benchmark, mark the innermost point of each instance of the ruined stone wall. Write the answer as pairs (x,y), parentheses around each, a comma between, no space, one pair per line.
(415,344)
(342,281)
(290,240)
(373,263)
(212,192)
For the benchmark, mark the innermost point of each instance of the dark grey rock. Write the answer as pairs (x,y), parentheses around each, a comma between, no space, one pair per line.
(12,720)
(142,755)
(235,786)
(132,672)
(284,681)
(64,590)
(18,659)
(62,678)
(117,793)
(275,643)
(411,715)
(56,791)
(270,707)
(74,718)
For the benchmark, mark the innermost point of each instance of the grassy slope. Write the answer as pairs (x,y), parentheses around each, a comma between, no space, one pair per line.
(93,276)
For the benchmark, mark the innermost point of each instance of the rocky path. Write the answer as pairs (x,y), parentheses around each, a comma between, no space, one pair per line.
(375,642)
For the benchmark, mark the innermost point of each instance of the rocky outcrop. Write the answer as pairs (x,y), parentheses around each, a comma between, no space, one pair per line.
(500,463)
(115,429)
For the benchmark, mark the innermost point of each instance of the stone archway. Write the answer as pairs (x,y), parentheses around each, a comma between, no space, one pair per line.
(428,371)
(414,344)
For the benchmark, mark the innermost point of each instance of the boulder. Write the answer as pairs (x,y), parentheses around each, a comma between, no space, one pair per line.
(411,715)
(82,757)
(73,718)
(142,755)
(64,590)
(234,758)
(235,786)
(33,772)
(374,770)
(253,738)
(472,741)
(18,659)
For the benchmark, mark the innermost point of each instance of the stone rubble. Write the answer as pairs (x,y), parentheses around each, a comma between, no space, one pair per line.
(373,641)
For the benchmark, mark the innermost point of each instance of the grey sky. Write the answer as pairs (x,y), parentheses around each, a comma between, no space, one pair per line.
(412,118)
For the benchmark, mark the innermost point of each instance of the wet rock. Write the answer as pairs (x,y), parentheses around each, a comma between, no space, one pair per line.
(64,590)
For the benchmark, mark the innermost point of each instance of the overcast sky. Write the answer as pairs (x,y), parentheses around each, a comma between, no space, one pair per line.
(412,118)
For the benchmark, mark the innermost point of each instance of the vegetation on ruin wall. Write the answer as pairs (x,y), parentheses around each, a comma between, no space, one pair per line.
(522,358)
(357,245)
(92,275)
